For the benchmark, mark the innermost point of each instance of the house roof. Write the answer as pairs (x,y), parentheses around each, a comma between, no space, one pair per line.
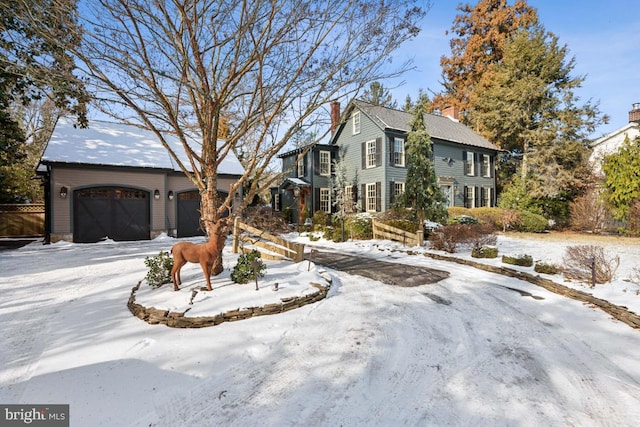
(440,127)
(306,147)
(118,144)
(631,126)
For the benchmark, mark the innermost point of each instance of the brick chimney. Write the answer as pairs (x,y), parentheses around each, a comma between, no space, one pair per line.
(452,113)
(634,114)
(335,116)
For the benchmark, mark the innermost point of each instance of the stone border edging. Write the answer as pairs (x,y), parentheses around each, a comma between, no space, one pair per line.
(174,319)
(620,313)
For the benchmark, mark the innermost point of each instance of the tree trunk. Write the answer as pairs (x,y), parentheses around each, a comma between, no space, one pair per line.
(217,228)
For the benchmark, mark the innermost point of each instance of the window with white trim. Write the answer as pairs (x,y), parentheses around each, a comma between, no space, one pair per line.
(325,200)
(486,165)
(398,152)
(486,196)
(371,197)
(469,166)
(325,163)
(469,197)
(398,189)
(356,122)
(301,167)
(371,153)
(276,201)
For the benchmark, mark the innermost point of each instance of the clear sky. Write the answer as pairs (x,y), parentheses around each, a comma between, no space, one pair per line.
(602,35)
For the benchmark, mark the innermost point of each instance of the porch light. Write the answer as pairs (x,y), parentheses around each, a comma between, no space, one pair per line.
(296,191)
(63,192)
(170,195)
(156,194)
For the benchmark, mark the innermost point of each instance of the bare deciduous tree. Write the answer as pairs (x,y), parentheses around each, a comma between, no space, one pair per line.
(259,72)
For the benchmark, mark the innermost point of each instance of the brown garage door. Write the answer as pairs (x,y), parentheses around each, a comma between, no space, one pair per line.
(117,213)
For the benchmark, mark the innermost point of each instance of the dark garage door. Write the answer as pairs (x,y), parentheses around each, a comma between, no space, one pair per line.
(188,219)
(118,213)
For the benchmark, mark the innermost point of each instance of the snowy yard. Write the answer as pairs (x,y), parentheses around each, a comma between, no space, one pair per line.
(465,351)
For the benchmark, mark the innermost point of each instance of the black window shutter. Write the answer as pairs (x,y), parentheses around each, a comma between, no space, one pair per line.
(316,162)
(315,205)
(363,153)
(378,196)
(464,162)
(363,197)
(378,151)
(391,152)
(392,191)
(476,193)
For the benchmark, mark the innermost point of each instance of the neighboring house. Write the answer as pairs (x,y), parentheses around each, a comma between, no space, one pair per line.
(117,181)
(610,143)
(371,141)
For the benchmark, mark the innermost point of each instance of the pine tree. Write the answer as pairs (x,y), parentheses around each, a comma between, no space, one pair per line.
(421,191)
(378,94)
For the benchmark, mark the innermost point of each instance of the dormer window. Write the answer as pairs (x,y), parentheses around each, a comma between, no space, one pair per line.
(356,122)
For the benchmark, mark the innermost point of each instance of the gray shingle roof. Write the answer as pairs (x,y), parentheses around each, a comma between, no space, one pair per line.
(437,126)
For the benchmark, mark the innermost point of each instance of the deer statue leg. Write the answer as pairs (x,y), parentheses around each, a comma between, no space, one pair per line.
(175,274)
(206,269)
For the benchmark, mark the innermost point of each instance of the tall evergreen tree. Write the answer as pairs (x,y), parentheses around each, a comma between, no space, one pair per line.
(421,191)
(527,105)
(378,94)
(480,33)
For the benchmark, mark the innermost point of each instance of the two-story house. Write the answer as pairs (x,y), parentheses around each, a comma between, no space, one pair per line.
(371,141)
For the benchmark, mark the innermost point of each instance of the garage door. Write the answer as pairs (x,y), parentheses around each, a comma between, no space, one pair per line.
(117,213)
(188,214)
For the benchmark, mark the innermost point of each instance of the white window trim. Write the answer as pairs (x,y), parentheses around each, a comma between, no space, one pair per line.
(401,153)
(356,123)
(486,171)
(326,164)
(371,153)
(470,164)
(486,201)
(398,188)
(325,192)
(371,199)
(471,197)
(276,202)
(300,166)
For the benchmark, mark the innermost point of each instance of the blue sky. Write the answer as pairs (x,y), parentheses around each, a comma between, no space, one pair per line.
(603,36)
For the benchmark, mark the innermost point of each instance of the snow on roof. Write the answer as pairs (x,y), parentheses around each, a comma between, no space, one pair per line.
(118,144)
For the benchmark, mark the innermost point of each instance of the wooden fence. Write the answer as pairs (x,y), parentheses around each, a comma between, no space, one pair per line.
(246,237)
(22,220)
(384,231)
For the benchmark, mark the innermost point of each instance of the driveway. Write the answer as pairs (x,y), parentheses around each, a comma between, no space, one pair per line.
(390,273)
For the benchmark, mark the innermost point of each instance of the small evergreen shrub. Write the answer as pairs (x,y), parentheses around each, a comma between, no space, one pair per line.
(454,211)
(313,237)
(159,269)
(484,252)
(463,219)
(531,222)
(545,268)
(450,237)
(320,220)
(248,267)
(359,227)
(489,216)
(521,260)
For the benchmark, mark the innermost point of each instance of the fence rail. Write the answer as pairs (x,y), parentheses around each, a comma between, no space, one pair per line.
(384,231)
(22,220)
(246,237)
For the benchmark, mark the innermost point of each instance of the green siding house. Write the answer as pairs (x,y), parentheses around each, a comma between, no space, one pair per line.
(370,141)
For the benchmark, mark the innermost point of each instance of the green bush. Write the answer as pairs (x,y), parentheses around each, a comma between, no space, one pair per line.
(490,216)
(531,222)
(402,224)
(454,211)
(521,260)
(485,252)
(359,227)
(320,219)
(545,268)
(249,266)
(159,269)
(463,219)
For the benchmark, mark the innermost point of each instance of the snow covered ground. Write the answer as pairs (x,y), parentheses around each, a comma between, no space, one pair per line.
(465,351)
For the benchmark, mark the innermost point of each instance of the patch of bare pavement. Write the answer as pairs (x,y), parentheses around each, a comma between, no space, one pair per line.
(390,273)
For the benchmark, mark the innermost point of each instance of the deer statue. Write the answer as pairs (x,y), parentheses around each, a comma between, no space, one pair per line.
(205,254)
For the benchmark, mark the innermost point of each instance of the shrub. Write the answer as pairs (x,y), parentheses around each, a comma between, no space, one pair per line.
(521,260)
(265,218)
(588,212)
(159,269)
(463,219)
(531,222)
(489,216)
(454,211)
(359,227)
(545,268)
(320,220)
(402,224)
(449,237)
(588,263)
(249,266)
(484,252)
